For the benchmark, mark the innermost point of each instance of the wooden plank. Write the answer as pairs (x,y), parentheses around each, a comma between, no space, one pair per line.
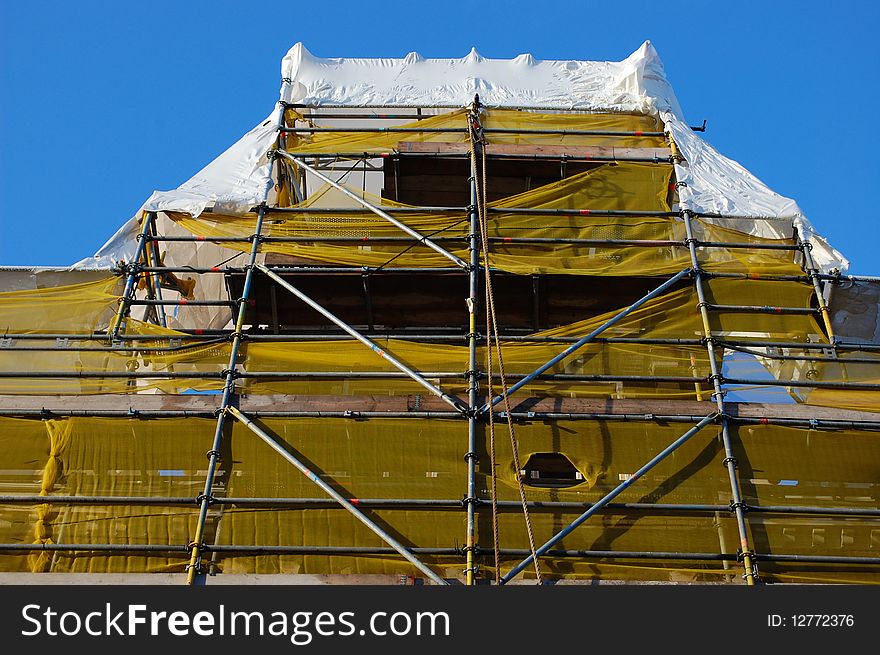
(302,403)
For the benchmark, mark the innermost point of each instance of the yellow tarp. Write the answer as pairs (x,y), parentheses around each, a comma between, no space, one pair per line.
(621,187)
(74,308)
(673,315)
(359,142)
(79,309)
(404,458)
(512,119)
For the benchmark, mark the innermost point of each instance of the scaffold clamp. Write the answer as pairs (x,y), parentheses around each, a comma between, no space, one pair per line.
(469,500)
(202,498)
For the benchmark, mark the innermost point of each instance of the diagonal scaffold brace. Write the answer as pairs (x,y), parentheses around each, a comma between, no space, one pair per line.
(452,400)
(131,280)
(403,226)
(619,489)
(587,339)
(330,491)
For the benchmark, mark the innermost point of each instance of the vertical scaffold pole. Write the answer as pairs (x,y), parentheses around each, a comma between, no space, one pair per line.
(813,273)
(730,462)
(131,281)
(204,499)
(473,376)
(157,280)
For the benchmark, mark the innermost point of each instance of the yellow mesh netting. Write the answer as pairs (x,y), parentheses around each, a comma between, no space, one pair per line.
(521,120)
(408,459)
(593,188)
(74,308)
(621,187)
(857,399)
(346,142)
(672,315)
(838,368)
(333,142)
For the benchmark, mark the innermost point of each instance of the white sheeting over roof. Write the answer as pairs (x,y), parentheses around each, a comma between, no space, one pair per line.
(636,84)
(236,180)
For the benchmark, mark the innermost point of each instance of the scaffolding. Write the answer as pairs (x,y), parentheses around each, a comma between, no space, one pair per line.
(618,422)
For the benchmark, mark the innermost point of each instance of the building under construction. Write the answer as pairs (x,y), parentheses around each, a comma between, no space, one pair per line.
(457,321)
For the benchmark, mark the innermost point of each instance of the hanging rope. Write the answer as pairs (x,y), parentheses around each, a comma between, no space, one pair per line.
(492,335)
(490,394)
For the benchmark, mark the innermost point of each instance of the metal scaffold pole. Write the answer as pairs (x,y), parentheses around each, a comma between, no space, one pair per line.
(730,460)
(156,277)
(813,273)
(473,382)
(134,269)
(196,546)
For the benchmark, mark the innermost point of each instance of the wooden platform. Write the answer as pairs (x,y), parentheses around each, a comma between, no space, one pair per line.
(9,404)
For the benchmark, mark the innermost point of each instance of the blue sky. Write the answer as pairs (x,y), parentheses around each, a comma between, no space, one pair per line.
(101,103)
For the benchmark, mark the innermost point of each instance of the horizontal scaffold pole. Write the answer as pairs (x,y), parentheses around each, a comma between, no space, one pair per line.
(623,486)
(419,376)
(182,549)
(339,498)
(200,343)
(854,385)
(437,209)
(391,270)
(756,277)
(599,159)
(464,130)
(564,109)
(832,359)
(431,504)
(250,550)
(745,245)
(414,209)
(119,349)
(407,117)
(184,301)
(633,243)
(519,210)
(360,415)
(212,336)
(308,270)
(758,309)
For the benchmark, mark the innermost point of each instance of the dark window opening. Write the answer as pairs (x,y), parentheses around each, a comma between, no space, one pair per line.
(550,470)
(390,302)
